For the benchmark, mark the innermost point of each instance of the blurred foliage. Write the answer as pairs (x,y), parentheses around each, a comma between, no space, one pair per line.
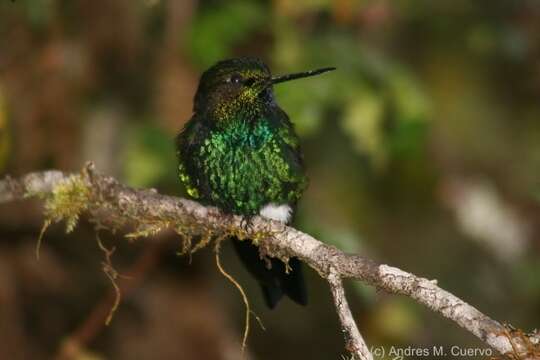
(148,155)
(4,133)
(216,31)
(428,98)
(38,12)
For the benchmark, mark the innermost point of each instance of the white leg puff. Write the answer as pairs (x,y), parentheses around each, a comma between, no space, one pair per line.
(277,212)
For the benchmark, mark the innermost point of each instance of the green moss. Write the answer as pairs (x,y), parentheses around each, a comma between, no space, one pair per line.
(67,201)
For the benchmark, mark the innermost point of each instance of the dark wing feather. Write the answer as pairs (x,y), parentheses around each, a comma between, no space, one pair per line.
(188,142)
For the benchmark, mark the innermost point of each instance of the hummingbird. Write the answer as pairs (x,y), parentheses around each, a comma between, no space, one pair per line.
(240,153)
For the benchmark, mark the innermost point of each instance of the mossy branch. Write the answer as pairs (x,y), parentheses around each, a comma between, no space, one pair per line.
(114,205)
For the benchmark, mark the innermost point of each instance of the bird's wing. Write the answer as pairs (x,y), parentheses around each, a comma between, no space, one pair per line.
(187,141)
(297,180)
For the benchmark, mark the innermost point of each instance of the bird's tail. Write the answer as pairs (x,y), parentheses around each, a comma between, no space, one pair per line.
(275,282)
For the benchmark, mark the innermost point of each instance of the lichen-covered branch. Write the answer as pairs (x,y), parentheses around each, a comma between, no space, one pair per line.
(68,195)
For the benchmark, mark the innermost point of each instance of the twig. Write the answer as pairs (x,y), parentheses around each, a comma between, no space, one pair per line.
(142,207)
(354,342)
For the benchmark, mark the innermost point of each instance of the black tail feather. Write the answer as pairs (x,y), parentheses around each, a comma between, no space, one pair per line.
(293,283)
(275,282)
(272,295)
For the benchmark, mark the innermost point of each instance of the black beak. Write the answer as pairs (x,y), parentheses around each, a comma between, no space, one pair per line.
(300,75)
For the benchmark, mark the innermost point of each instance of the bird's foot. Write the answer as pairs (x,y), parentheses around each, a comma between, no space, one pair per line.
(247,223)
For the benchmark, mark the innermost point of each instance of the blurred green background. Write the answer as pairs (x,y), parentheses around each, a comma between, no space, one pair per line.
(423,152)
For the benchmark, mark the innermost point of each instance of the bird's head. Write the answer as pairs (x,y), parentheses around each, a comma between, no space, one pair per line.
(241,85)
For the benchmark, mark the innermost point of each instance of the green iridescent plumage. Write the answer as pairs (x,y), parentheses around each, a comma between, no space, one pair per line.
(244,165)
(239,152)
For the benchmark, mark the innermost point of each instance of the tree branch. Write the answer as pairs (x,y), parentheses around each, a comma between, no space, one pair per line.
(354,343)
(150,212)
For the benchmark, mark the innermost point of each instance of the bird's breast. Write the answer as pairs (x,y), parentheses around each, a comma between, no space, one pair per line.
(246,170)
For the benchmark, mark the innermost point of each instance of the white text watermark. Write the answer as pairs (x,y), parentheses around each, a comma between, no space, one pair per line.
(418,352)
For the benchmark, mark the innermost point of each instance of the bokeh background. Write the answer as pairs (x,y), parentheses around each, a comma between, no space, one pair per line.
(423,151)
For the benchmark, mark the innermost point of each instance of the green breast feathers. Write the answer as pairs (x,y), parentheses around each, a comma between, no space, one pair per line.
(243,166)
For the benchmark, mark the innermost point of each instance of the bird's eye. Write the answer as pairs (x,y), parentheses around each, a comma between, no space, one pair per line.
(235,79)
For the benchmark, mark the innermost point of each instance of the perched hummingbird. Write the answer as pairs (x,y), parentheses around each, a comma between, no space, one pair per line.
(239,152)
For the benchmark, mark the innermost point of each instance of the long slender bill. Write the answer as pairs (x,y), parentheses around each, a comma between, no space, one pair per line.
(300,75)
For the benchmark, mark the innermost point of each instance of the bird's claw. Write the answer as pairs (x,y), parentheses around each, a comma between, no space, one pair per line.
(247,224)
